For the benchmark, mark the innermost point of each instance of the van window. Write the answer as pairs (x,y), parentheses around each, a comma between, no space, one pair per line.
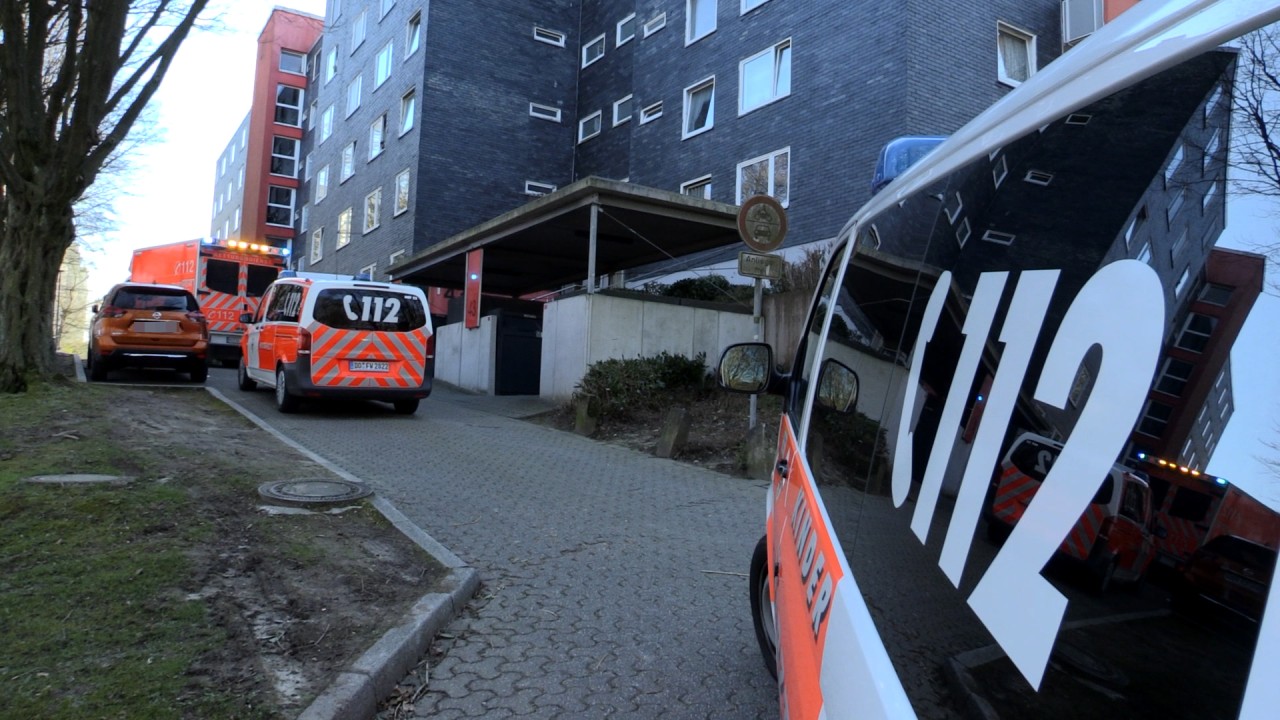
(369,309)
(1190,505)
(259,278)
(1132,507)
(222,276)
(1034,458)
(286,304)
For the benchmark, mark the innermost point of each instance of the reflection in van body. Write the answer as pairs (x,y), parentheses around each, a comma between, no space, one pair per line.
(1003,289)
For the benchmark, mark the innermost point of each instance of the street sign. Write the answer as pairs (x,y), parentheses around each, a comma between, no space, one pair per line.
(762,223)
(760,265)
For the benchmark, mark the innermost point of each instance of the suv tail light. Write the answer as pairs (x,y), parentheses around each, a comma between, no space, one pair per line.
(111,311)
(304,340)
(431,346)
(196,316)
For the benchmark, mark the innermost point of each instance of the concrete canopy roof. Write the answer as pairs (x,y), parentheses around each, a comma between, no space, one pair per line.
(546,244)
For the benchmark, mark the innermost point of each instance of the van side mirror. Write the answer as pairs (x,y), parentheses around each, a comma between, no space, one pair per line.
(837,387)
(94,309)
(246,318)
(745,368)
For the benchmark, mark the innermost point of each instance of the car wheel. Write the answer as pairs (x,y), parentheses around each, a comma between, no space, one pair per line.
(407,406)
(199,372)
(97,369)
(242,377)
(762,608)
(286,402)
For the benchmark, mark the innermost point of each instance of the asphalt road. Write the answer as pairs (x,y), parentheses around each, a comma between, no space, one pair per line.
(614,582)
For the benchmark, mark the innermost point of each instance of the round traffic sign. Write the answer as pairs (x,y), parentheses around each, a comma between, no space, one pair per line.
(762,223)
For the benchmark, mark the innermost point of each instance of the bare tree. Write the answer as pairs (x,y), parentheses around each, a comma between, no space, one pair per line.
(75,76)
(1255,142)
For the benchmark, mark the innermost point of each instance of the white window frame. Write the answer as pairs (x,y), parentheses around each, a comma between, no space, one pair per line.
(1175,162)
(618,119)
(347,162)
(330,65)
(317,245)
(355,90)
(690,17)
(586,48)
(402,178)
(359,30)
(373,200)
(369,271)
(320,190)
(408,111)
(307,172)
(650,112)
(297,148)
(383,63)
(538,189)
(302,223)
(412,35)
(1208,197)
(548,36)
(326,124)
(1002,75)
(749,5)
(395,257)
(544,112)
(689,92)
(774,94)
(1181,286)
(598,116)
(703,182)
(302,103)
(619,40)
(302,57)
(386,8)
(772,160)
(654,24)
(344,236)
(377,136)
(293,200)
(312,111)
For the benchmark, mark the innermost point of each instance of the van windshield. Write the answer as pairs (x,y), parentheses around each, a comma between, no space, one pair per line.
(370,309)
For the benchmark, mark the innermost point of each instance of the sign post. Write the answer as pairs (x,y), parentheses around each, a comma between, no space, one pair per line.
(762,224)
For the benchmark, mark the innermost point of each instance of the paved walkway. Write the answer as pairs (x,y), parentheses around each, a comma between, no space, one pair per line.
(614,582)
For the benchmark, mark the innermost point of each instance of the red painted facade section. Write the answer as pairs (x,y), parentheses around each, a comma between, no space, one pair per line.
(297,33)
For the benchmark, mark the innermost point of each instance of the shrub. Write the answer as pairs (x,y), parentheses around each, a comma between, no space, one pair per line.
(620,386)
(711,288)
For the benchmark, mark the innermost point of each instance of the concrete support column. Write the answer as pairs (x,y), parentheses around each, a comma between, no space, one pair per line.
(591,249)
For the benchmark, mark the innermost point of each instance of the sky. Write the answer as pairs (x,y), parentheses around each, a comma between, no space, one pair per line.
(207,92)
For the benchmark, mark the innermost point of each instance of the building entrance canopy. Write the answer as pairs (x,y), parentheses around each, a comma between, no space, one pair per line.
(582,231)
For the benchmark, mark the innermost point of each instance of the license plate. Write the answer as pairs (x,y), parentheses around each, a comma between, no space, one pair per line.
(226,340)
(369,366)
(155,326)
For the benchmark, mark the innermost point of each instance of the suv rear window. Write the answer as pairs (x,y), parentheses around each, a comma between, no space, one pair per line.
(369,309)
(155,299)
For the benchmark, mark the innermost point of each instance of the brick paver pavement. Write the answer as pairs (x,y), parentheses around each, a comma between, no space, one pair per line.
(614,582)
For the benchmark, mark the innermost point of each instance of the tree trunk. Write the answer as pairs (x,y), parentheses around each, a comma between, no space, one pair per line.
(32,240)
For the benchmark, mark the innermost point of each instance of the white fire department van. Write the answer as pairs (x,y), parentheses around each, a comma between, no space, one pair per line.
(1006,284)
(318,335)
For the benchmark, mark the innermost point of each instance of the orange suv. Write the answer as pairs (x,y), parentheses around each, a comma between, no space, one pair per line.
(144,325)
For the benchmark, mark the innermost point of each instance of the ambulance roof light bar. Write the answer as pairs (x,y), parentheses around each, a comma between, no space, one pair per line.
(246,246)
(1161,462)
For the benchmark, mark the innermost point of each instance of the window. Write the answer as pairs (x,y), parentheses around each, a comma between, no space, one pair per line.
(1195,332)
(292,62)
(236,222)
(1175,205)
(347,167)
(698,187)
(656,23)
(593,51)
(413,35)
(395,258)
(533,187)
(240,179)
(1178,244)
(279,205)
(700,19)
(1139,219)
(321,188)
(307,170)
(311,115)
(326,123)
(651,113)
(353,94)
(626,30)
(1015,54)
(378,136)
(545,112)
(1211,150)
(1155,419)
(317,245)
(330,64)
(386,7)
(699,107)
(550,37)
(344,229)
(313,64)
(999,171)
(289,105)
(382,67)
(589,126)
(302,224)
(402,193)
(1174,163)
(357,30)
(766,175)
(1144,255)
(749,5)
(408,109)
(622,111)
(1215,294)
(284,157)
(1182,283)
(1208,197)
(1173,378)
(368,270)
(764,77)
(373,210)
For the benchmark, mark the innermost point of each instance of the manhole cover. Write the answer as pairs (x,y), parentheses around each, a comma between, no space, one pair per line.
(1089,665)
(78,478)
(313,491)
